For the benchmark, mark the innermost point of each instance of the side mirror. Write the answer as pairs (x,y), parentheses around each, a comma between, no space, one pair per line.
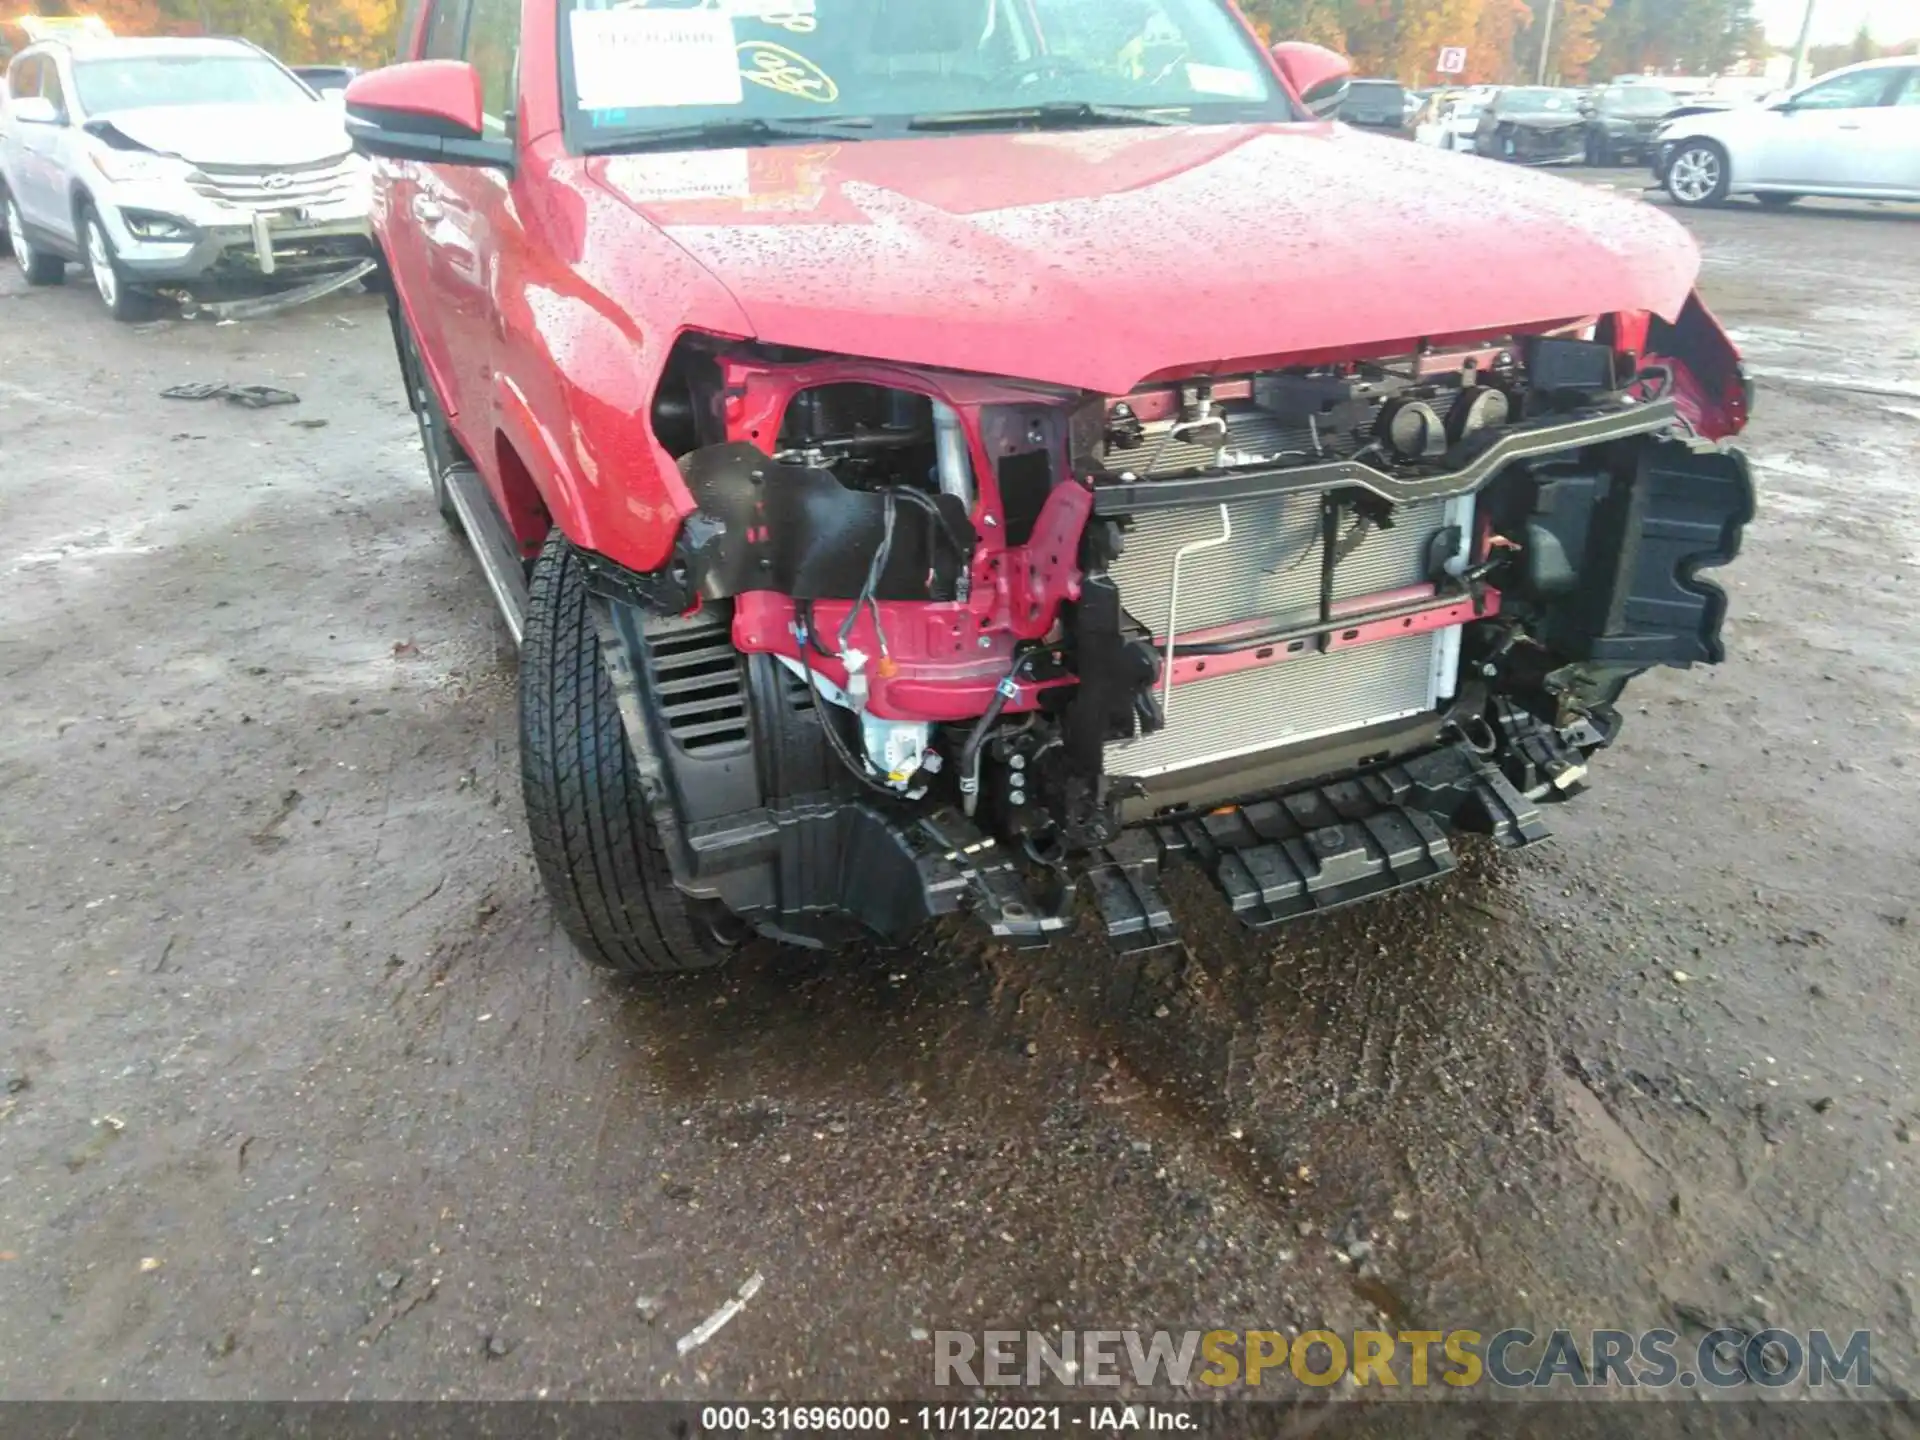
(1317,75)
(35,110)
(424,110)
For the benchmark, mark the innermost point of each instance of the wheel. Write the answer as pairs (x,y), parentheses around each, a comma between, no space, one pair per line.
(436,437)
(594,840)
(1699,174)
(38,266)
(117,293)
(1778,200)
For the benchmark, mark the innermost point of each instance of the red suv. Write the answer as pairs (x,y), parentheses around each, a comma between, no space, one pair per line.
(970,454)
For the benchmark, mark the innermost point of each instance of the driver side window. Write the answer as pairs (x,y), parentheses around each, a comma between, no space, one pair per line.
(1863,89)
(493,48)
(50,85)
(446,30)
(23,82)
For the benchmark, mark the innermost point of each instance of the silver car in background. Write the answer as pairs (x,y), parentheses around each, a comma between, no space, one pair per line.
(198,165)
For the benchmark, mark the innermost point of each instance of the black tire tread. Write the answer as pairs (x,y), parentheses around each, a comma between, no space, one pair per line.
(594,841)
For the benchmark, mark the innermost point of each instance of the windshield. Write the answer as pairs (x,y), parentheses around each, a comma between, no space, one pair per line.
(1538,102)
(152,80)
(630,69)
(1640,100)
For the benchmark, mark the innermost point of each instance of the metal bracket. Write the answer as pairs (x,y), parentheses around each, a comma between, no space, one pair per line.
(1173,606)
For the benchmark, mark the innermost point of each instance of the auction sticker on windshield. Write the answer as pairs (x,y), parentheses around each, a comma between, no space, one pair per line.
(1222,80)
(643,58)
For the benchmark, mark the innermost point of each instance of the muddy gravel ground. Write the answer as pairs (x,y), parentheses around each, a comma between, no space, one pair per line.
(306,1095)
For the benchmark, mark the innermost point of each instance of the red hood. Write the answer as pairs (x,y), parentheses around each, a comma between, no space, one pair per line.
(1097,258)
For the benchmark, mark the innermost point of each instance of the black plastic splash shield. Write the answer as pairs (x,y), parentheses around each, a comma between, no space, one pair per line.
(762,525)
(1334,845)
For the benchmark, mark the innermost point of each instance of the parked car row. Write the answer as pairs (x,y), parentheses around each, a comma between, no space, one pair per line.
(1542,125)
(202,166)
(1854,133)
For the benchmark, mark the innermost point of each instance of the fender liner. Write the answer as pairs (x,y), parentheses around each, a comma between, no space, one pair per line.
(763,525)
(1619,556)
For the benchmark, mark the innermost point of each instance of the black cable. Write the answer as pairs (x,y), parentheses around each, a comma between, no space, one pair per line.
(933,508)
(834,742)
(872,583)
(813,633)
(1004,693)
(838,745)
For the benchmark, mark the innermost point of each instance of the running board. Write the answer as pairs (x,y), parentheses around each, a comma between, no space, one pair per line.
(493,543)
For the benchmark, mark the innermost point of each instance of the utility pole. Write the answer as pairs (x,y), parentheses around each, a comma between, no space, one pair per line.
(1806,39)
(1546,37)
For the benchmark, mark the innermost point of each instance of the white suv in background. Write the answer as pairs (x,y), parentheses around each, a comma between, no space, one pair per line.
(1854,133)
(194,164)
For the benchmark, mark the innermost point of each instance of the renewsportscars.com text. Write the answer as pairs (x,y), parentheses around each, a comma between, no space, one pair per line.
(1415,1359)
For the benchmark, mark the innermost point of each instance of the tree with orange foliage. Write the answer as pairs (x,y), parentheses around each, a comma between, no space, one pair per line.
(356,32)
(1426,27)
(1403,38)
(1490,57)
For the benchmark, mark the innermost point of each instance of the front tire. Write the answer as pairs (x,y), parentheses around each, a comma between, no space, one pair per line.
(594,839)
(116,291)
(37,265)
(1699,174)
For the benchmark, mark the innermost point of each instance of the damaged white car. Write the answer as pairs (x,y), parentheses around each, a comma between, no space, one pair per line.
(181,165)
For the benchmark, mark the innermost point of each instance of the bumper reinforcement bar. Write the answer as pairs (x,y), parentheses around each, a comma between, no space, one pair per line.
(1112,498)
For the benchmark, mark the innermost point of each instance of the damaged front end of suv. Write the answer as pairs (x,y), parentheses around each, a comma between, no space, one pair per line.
(971,457)
(929,641)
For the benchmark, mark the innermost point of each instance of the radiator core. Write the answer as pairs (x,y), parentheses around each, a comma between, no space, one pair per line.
(1270,570)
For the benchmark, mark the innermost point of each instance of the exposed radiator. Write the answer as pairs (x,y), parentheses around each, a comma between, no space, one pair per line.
(1270,570)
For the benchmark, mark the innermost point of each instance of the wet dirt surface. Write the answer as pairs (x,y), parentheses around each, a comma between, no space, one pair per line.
(306,1095)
